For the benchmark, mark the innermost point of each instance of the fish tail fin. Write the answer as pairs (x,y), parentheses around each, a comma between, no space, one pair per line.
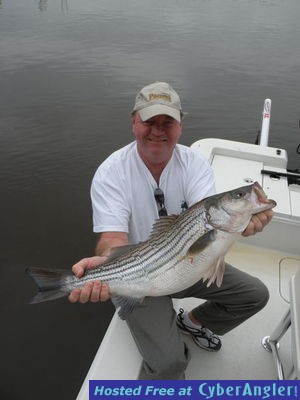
(50,283)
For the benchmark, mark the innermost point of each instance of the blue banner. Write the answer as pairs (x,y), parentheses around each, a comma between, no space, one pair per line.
(192,390)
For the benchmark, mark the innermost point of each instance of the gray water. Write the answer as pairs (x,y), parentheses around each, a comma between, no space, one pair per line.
(69,71)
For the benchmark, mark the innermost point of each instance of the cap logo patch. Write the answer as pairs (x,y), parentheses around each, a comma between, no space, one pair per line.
(156,96)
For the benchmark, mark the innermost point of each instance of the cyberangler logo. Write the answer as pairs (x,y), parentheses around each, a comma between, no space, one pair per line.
(248,390)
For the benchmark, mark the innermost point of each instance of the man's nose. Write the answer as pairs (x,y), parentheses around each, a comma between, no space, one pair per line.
(158,128)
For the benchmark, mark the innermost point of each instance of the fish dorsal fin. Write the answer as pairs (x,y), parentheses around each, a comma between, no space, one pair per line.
(202,242)
(162,224)
(119,251)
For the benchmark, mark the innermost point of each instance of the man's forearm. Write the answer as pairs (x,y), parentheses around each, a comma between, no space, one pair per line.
(108,240)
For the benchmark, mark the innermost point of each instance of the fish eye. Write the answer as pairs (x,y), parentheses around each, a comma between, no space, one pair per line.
(238,195)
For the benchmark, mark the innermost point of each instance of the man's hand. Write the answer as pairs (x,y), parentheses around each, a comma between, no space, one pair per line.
(258,222)
(92,291)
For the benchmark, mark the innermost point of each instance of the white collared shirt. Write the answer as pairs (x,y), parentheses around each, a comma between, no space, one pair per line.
(122,190)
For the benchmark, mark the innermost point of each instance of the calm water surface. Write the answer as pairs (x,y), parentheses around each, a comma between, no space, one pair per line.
(69,71)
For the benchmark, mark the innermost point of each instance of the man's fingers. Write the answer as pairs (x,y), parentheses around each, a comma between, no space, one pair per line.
(74,295)
(81,266)
(269,215)
(105,294)
(96,291)
(100,292)
(92,291)
(86,291)
(258,222)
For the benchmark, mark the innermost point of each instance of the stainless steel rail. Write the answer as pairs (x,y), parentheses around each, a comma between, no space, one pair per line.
(290,320)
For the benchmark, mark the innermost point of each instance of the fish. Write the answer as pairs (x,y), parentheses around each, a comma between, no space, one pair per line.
(181,250)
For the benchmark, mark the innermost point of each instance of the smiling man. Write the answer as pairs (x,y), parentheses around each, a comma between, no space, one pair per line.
(156,138)
(147,179)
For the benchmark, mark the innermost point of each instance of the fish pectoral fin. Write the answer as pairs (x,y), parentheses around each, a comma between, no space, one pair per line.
(125,305)
(201,243)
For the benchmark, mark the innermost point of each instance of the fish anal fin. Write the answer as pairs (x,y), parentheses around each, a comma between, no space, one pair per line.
(125,305)
(201,243)
(215,273)
(220,271)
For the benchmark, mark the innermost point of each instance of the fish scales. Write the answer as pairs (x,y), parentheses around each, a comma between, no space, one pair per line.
(164,253)
(155,258)
(179,252)
(132,268)
(151,267)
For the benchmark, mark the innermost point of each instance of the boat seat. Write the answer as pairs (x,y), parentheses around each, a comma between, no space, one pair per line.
(291,320)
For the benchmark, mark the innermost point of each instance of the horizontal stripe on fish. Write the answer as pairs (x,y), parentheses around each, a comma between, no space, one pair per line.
(156,257)
(179,252)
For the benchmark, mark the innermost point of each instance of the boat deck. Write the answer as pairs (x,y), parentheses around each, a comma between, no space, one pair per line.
(242,355)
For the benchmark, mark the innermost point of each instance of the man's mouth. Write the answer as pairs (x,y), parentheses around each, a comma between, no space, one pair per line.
(156,140)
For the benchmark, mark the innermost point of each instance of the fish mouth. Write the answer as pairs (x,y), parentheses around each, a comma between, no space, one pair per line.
(255,195)
(261,195)
(262,199)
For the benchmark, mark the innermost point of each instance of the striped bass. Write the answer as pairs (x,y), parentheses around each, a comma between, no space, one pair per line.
(180,251)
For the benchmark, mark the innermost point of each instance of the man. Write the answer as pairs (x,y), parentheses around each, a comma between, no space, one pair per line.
(137,184)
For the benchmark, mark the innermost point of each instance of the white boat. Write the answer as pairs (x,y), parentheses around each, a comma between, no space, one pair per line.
(273,256)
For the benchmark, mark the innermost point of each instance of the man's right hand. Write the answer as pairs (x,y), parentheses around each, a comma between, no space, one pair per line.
(93,291)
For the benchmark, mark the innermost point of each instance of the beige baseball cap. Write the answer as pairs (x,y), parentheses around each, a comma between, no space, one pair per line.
(156,99)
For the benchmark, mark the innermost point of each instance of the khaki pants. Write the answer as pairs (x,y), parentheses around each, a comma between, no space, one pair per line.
(153,322)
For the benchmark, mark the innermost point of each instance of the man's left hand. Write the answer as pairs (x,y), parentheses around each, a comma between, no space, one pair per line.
(258,222)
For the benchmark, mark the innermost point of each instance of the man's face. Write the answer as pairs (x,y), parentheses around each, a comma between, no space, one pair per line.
(156,137)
